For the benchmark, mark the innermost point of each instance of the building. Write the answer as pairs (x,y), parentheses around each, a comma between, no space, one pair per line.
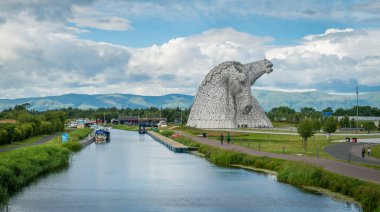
(135,120)
(373,119)
(130,120)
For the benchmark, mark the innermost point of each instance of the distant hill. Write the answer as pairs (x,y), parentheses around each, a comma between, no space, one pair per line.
(268,99)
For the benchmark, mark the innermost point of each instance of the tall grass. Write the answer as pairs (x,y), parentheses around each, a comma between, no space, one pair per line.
(79,134)
(19,167)
(295,173)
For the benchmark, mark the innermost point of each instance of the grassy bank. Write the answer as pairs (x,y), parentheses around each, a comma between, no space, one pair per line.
(20,167)
(125,127)
(275,143)
(375,151)
(23,142)
(295,173)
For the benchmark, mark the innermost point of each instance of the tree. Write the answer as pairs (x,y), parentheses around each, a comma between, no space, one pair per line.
(369,126)
(327,109)
(317,125)
(330,126)
(306,130)
(353,123)
(344,122)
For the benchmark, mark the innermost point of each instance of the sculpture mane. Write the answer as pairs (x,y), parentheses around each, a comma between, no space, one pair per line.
(224,98)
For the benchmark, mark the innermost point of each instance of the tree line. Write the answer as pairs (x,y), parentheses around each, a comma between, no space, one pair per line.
(29,123)
(171,114)
(286,114)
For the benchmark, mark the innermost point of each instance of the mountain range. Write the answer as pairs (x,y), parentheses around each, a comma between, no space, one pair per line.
(268,99)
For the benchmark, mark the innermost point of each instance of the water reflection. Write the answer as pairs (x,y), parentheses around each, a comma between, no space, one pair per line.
(135,173)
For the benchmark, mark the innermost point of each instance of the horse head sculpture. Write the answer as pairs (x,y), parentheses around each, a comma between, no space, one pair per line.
(224,98)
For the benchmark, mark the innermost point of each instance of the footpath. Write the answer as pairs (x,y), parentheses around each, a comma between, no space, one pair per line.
(342,168)
(351,151)
(41,141)
(84,142)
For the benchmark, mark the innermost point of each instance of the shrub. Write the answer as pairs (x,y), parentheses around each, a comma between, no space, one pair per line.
(73,146)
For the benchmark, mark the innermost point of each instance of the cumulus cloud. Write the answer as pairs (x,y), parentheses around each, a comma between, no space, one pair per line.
(41,55)
(42,58)
(345,55)
(181,64)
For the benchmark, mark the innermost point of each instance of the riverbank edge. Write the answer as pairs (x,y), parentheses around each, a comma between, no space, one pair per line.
(295,173)
(20,167)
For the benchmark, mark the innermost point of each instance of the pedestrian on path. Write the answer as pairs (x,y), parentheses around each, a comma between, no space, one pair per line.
(363,152)
(221,138)
(228,138)
(369,151)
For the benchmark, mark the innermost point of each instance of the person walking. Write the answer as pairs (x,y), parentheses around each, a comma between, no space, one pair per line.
(228,138)
(363,152)
(369,151)
(221,138)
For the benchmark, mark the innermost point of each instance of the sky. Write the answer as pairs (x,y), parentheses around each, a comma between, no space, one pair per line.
(162,47)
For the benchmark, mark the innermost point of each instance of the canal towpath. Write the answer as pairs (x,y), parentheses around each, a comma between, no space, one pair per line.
(84,142)
(338,167)
(38,142)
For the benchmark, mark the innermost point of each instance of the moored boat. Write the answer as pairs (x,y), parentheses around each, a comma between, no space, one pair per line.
(101,136)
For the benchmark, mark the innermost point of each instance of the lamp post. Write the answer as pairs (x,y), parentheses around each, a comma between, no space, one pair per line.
(357,108)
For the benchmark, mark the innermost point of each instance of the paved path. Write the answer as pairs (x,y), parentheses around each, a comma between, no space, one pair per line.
(291,133)
(342,151)
(41,141)
(347,169)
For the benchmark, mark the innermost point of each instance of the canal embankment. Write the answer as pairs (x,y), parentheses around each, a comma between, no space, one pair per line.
(169,143)
(131,173)
(294,172)
(19,167)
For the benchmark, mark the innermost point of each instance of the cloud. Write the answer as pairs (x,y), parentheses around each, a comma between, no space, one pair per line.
(340,56)
(339,11)
(85,16)
(181,64)
(41,55)
(104,23)
(44,58)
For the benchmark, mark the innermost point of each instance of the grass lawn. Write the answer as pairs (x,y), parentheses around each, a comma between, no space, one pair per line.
(23,142)
(283,124)
(74,135)
(375,151)
(125,127)
(284,144)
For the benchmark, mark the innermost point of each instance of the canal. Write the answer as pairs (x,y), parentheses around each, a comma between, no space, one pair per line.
(135,173)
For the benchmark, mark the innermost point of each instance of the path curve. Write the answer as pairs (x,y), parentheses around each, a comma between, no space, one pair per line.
(347,169)
(41,141)
(342,151)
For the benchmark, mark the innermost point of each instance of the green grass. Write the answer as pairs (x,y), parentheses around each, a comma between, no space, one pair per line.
(295,173)
(285,144)
(20,167)
(23,142)
(281,144)
(375,151)
(278,124)
(125,127)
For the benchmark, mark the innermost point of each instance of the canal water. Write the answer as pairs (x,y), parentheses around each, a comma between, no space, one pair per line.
(135,173)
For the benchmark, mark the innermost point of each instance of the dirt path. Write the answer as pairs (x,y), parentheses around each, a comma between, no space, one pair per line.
(41,141)
(347,169)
